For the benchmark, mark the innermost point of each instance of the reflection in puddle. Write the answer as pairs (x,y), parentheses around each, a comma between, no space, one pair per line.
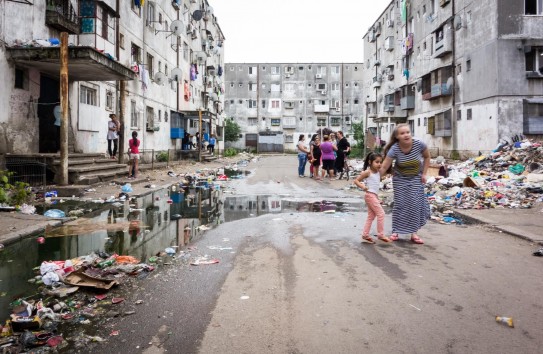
(141,228)
(241,207)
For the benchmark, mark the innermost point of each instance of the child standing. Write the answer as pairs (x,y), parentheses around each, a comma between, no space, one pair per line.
(372,178)
(134,152)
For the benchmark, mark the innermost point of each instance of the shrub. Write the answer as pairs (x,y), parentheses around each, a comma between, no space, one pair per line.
(229,152)
(13,194)
(162,156)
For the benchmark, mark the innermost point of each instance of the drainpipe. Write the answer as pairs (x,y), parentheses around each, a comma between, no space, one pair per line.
(63,179)
(120,88)
(454,126)
(341,98)
(145,65)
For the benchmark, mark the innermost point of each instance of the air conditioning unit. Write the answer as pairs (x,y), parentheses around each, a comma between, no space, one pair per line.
(318,76)
(338,109)
(287,75)
(390,23)
(323,92)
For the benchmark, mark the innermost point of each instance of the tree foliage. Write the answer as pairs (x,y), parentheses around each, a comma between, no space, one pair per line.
(358,134)
(231,131)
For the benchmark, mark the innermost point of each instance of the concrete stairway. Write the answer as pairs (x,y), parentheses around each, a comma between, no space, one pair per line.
(90,168)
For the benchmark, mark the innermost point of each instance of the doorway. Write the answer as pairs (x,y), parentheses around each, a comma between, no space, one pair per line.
(48,132)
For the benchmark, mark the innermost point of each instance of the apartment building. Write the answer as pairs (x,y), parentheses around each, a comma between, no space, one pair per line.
(157,64)
(463,74)
(274,103)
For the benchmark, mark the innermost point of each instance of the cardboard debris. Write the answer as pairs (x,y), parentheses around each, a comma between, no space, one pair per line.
(79,278)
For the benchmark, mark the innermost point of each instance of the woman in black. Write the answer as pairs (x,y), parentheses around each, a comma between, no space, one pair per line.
(343,149)
(316,157)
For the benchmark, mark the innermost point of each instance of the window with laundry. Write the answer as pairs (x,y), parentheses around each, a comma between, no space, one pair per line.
(534,59)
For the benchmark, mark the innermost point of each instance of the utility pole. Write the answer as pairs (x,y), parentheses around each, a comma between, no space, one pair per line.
(63,180)
(122,119)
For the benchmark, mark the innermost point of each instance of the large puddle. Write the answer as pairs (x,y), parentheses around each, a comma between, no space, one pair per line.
(141,228)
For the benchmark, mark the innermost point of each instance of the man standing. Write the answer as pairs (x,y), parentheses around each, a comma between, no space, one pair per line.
(112,135)
(343,149)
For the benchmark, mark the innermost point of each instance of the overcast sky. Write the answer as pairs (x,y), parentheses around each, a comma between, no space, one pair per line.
(276,31)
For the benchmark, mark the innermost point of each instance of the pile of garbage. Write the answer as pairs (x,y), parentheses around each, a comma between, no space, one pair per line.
(71,292)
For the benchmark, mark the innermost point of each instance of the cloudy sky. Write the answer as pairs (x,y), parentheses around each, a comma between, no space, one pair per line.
(295,30)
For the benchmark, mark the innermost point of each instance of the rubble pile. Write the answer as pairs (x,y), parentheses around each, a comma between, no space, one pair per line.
(509,177)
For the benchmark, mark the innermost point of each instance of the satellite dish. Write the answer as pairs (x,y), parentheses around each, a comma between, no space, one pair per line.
(214,96)
(177,74)
(160,78)
(457,22)
(177,27)
(197,15)
(450,83)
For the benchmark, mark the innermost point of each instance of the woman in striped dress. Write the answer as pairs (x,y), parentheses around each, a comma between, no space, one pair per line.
(411,209)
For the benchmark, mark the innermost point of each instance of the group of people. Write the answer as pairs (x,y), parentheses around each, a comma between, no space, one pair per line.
(405,157)
(191,142)
(326,157)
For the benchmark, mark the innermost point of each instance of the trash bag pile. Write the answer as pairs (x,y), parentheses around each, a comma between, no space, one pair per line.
(509,177)
(71,292)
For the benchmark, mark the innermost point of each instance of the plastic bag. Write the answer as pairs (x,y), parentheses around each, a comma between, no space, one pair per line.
(127,188)
(54,213)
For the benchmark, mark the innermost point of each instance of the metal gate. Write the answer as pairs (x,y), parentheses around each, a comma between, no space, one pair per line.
(271,142)
(251,140)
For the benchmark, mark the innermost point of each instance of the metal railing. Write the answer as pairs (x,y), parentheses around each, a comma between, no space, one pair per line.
(30,170)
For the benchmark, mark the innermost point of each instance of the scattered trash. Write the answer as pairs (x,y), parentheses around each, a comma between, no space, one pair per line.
(139,302)
(117,300)
(416,308)
(204,261)
(114,333)
(169,251)
(79,278)
(244,297)
(538,253)
(27,209)
(505,320)
(54,213)
(127,188)
(40,240)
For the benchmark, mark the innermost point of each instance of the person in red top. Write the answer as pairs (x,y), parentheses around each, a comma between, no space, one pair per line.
(134,152)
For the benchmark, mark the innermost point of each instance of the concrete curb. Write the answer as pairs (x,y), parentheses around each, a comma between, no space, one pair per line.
(513,232)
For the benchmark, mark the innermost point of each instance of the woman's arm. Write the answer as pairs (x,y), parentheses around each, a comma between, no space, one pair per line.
(385,166)
(426,164)
(362,176)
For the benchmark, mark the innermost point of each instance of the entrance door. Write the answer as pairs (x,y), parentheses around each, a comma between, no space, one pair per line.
(49,135)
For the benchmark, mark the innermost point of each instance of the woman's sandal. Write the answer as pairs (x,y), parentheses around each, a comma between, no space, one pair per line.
(368,239)
(416,239)
(385,239)
(394,237)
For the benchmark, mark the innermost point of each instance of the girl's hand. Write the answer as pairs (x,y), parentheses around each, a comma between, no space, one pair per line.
(423,179)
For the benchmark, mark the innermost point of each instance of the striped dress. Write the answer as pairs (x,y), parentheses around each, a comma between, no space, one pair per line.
(411,209)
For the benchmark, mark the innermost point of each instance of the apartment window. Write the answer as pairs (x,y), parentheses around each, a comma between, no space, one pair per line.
(136,9)
(533,7)
(468,65)
(309,67)
(252,121)
(231,85)
(533,117)
(534,59)
(231,101)
(321,87)
(321,70)
(356,101)
(109,100)
(289,70)
(88,95)
(252,70)
(159,115)
(290,87)
(334,69)
(263,86)
(135,54)
(289,138)
(468,114)
(335,121)
(321,122)
(275,70)
(150,118)
(431,127)
(240,68)
(166,71)
(252,103)
(21,79)
(150,14)
(459,114)
(347,85)
(263,68)
(418,122)
(275,87)
(150,65)
(356,68)
(275,104)
(335,87)
(276,122)
(186,52)
(263,103)
(425,121)
(289,104)
(121,40)
(300,68)
(133,114)
(252,87)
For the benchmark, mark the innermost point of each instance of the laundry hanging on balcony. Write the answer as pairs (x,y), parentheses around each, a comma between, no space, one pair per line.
(193,72)
(139,3)
(186,91)
(144,77)
(219,71)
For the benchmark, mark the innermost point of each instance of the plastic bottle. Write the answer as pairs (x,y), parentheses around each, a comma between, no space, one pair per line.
(106,263)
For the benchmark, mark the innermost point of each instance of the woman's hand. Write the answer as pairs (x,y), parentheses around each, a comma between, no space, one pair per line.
(423,179)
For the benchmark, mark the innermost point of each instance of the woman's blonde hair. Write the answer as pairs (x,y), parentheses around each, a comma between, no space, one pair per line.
(393,137)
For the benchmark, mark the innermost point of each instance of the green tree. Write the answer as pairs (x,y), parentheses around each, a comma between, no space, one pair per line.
(231,131)
(359,137)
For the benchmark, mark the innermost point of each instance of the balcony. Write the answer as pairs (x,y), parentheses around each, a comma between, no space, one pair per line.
(61,15)
(389,108)
(321,108)
(438,90)
(389,43)
(377,81)
(444,45)
(407,102)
